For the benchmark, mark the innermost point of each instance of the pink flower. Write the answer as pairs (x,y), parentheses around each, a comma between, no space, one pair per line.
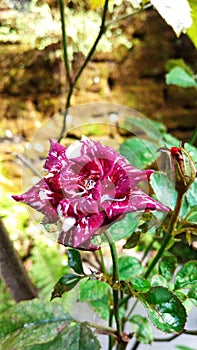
(88,187)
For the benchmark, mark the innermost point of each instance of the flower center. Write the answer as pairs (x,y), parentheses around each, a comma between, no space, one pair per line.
(87,183)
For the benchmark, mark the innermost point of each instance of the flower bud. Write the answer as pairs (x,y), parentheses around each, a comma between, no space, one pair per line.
(184,168)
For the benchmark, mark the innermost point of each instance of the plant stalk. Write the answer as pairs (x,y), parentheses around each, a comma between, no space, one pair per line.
(64,41)
(171,227)
(73,82)
(169,234)
(115,278)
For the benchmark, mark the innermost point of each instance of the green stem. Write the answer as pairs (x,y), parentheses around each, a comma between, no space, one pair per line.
(73,82)
(93,48)
(70,92)
(171,227)
(64,40)
(145,7)
(102,262)
(115,278)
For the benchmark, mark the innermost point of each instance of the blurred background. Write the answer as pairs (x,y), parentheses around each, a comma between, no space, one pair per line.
(128,68)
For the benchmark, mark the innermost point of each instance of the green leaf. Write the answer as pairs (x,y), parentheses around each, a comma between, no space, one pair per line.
(92,290)
(191,195)
(138,152)
(163,189)
(142,329)
(124,228)
(177,15)
(178,76)
(167,266)
(129,267)
(74,337)
(101,307)
(182,347)
(192,216)
(65,284)
(182,297)
(158,280)
(132,241)
(193,29)
(178,62)
(74,261)
(140,284)
(47,267)
(165,309)
(193,294)
(31,322)
(153,129)
(187,275)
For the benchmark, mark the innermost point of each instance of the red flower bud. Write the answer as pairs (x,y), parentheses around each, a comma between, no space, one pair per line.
(184,168)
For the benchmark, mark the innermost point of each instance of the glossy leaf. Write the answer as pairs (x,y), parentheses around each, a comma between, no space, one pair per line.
(132,241)
(124,228)
(180,295)
(183,251)
(187,275)
(142,329)
(139,153)
(140,284)
(167,267)
(158,280)
(178,62)
(191,195)
(193,294)
(163,189)
(101,307)
(165,309)
(178,76)
(74,337)
(92,290)
(31,322)
(65,284)
(129,267)
(74,261)
(152,129)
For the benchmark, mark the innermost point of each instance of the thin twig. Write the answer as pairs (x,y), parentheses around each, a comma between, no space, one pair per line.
(115,278)
(72,83)
(171,227)
(28,165)
(64,41)
(145,7)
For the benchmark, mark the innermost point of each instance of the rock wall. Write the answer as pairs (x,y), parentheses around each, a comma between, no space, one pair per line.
(33,84)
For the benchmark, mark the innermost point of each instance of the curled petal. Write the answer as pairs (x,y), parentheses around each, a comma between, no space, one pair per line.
(40,197)
(139,200)
(56,157)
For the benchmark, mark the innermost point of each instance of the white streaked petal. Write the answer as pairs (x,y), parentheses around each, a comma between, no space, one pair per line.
(44,194)
(74,150)
(68,223)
